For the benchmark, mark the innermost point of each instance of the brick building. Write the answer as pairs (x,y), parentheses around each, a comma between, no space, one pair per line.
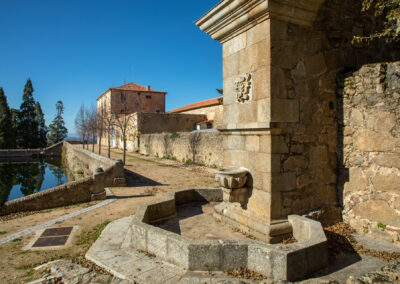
(130,98)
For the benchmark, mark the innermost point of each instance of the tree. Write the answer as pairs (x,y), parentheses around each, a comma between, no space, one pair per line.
(7,130)
(92,124)
(100,126)
(27,129)
(123,122)
(58,131)
(81,124)
(390,10)
(42,129)
(108,126)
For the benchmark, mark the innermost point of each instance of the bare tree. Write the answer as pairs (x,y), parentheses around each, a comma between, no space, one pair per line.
(108,125)
(123,123)
(92,124)
(81,124)
(100,126)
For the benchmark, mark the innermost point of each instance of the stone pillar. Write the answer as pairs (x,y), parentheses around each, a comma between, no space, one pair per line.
(261,109)
(98,185)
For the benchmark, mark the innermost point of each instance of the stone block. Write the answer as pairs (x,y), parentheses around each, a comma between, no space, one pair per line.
(384,122)
(230,65)
(264,110)
(315,65)
(254,57)
(388,181)
(258,33)
(248,112)
(233,256)
(370,141)
(204,257)
(261,84)
(319,155)
(234,45)
(377,211)
(283,181)
(389,160)
(260,203)
(157,242)
(234,142)
(284,110)
(268,163)
(178,250)
(260,260)
(139,236)
(231,114)
(236,159)
(252,143)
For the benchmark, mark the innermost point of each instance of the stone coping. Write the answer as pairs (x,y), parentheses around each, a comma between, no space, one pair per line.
(280,262)
(232,17)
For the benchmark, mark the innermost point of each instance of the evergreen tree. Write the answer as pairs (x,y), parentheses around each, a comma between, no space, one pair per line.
(42,129)
(27,130)
(58,131)
(7,130)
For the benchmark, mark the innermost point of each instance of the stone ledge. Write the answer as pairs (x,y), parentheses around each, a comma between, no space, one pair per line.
(281,262)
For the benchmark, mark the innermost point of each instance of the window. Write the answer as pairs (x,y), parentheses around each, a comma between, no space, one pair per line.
(157,110)
(123,97)
(148,96)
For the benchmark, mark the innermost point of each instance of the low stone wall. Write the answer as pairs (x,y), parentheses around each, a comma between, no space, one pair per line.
(83,190)
(93,172)
(370,177)
(199,147)
(82,163)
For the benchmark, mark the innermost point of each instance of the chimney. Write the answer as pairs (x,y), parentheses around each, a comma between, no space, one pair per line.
(148,88)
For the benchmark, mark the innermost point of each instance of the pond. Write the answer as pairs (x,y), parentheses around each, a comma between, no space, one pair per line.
(18,179)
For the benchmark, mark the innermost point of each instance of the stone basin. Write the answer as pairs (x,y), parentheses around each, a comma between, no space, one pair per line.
(231,178)
(279,262)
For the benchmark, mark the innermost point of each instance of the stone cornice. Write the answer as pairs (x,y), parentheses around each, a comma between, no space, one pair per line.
(231,17)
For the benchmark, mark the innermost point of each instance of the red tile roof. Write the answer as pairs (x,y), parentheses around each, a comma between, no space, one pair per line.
(132,87)
(206,103)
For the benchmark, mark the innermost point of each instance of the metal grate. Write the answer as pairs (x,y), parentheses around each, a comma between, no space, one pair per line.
(53,237)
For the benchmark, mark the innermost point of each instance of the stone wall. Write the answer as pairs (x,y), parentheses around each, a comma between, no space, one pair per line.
(370,177)
(66,194)
(198,147)
(83,163)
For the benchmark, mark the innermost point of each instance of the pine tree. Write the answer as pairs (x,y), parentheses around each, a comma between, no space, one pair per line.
(58,131)
(27,132)
(7,131)
(42,129)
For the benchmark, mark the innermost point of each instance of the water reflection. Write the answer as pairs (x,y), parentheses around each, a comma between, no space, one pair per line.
(24,177)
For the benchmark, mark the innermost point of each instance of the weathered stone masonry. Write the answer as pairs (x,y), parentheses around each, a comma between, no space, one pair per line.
(282,62)
(371,150)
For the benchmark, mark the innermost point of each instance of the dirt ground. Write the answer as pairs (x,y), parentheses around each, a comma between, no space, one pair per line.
(148,179)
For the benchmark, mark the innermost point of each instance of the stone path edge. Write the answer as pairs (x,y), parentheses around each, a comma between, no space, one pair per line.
(44,225)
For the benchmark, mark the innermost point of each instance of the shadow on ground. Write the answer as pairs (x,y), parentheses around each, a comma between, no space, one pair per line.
(183,212)
(135,180)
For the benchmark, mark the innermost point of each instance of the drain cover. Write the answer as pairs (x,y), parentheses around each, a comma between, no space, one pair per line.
(53,237)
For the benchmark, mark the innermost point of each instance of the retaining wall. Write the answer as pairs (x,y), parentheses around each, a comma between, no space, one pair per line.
(82,163)
(199,147)
(89,186)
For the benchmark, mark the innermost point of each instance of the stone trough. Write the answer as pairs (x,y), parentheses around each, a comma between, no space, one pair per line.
(276,261)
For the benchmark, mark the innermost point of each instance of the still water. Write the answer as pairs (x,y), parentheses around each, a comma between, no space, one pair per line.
(18,179)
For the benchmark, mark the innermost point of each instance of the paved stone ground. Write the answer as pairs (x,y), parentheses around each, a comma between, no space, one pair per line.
(44,225)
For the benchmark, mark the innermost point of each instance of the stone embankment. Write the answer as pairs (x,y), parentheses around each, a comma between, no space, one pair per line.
(99,173)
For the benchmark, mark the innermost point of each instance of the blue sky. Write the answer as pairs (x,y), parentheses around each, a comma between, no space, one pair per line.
(75,50)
